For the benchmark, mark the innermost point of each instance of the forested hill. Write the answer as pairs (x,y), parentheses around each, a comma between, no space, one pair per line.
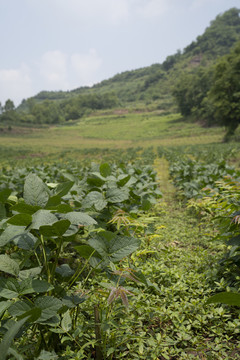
(149,85)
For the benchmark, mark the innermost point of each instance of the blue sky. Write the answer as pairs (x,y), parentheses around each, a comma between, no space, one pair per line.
(65,44)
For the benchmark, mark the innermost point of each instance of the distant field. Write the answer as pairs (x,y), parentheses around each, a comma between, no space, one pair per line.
(100,134)
(111,130)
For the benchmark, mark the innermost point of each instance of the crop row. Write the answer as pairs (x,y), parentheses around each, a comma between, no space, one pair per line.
(64,231)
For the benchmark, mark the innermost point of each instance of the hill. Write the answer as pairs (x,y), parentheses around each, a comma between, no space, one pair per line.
(151,86)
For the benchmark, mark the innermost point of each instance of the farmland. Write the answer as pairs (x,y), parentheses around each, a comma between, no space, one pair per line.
(115,232)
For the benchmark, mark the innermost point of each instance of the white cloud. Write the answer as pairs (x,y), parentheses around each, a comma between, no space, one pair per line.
(15,84)
(53,68)
(85,66)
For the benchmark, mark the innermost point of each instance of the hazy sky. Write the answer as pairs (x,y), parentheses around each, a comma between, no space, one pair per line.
(64,44)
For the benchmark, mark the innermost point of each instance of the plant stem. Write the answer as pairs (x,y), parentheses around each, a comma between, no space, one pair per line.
(56,259)
(45,259)
(79,271)
(98,350)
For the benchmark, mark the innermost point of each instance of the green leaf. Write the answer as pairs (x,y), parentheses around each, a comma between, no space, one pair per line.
(63,208)
(2,211)
(117,195)
(4,305)
(53,201)
(46,355)
(64,270)
(79,218)
(20,307)
(30,273)
(228,298)
(123,179)
(96,199)
(42,217)
(4,195)
(235,241)
(9,288)
(9,336)
(105,170)
(73,300)
(66,322)
(8,265)
(85,250)
(20,220)
(29,286)
(96,179)
(116,248)
(63,188)
(56,229)
(25,241)
(49,306)
(36,192)
(14,353)
(9,233)
(24,208)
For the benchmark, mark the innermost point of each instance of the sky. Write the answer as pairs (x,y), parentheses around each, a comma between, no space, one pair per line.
(65,44)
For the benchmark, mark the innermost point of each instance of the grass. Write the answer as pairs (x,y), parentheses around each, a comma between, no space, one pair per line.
(176,324)
(119,129)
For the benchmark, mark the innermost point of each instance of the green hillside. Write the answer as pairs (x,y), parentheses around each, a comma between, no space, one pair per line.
(149,87)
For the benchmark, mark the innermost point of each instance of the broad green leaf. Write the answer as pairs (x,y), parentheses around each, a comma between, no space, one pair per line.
(63,188)
(79,218)
(42,217)
(116,248)
(85,250)
(4,305)
(105,170)
(4,195)
(30,273)
(73,300)
(146,205)
(56,229)
(235,241)
(47,355)
(20,220)
(63,208)
(20,307)
(66,322)
(96,179)
(9,288)
(9,336)
(8,265)
(24,208)
(96,199)
(15,354)
(123,179)
(36,192)
(228,298)
(64,270)
(29,286)
(117,195)
(9,233)
(25,241)
(53,201)
(49,306)
(2,211)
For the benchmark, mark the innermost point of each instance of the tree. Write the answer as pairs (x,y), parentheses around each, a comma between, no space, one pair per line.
(224,94)
(8,112)
(191,90)
(9,106)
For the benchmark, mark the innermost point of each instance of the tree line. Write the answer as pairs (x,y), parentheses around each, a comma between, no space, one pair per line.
(56,112)
(212,93)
